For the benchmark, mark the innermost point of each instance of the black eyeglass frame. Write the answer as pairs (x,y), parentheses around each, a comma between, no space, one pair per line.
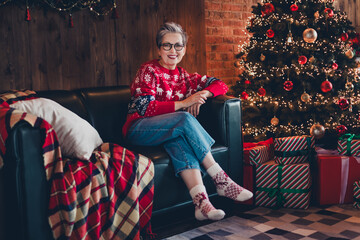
(177,46)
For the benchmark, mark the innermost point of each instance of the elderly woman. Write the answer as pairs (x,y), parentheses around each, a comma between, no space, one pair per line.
(163,109)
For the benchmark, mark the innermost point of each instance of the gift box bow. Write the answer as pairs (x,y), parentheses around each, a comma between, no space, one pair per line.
(278,191)
(349,137)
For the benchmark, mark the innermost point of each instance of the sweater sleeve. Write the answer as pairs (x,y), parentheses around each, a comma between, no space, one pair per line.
(212,84)
(143,91)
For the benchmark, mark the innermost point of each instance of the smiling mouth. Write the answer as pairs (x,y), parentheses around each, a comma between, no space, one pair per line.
(172,56)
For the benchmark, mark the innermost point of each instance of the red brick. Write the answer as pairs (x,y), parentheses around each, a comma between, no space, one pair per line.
(222,48)
(231,7)
(214,39)
(213,23)
(212,5)
(231,23)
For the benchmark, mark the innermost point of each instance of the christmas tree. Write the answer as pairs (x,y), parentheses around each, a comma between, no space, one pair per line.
(298,73)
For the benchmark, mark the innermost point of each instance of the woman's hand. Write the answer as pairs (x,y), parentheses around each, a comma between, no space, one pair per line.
(194,109)
(197,98)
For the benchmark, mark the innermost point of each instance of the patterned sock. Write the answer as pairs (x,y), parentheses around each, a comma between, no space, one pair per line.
(226,187)
(203,207)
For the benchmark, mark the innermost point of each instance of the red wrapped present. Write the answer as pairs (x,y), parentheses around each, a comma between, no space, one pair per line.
(295,149)
(260,152)
(357,194)
(349,144)
(283,185)
(335,177)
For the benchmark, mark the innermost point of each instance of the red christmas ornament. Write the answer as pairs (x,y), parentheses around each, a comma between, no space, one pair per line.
(294,8)
(267,9)
(244,95)
(261,92)
(115,14)
(326,86)
(270,33)
(344,104)
(288,85)
(344,37)
(341,129)
(334,66)
(302,60)
(71,22)
(27,15)
(247,82)
(329,12)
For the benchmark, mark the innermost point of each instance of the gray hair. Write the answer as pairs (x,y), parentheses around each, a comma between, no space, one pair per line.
(170,27)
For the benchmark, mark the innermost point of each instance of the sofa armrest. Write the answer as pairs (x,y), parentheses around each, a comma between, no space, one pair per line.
(221,117)
(25,184)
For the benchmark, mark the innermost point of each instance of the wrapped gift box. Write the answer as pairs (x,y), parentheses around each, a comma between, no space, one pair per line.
(357,194)
(292,192)
(296,149)
(283,185)
(257,154)
(335,177)
(349,144)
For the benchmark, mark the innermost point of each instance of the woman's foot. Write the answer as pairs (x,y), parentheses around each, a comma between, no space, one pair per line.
(226,187)
(203,207)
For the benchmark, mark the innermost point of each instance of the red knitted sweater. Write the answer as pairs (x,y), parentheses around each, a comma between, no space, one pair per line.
(155,90)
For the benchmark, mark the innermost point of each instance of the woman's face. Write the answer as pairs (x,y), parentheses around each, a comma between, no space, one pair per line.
(169,59)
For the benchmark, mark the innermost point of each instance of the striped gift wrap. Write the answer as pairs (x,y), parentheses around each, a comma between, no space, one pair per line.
(257,155)
(295,149)
(357,194)
(349,144)
(283,185)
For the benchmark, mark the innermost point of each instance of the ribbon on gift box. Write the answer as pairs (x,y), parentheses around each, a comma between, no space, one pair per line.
(309,151)
(278,192)
(349,137)
(344,169)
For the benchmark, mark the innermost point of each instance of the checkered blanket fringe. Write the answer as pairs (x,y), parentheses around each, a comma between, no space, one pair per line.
(108,197)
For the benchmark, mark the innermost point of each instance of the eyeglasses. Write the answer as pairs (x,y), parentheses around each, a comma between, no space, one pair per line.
(168,46)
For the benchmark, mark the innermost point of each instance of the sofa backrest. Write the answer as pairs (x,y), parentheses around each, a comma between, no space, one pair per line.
(105,108)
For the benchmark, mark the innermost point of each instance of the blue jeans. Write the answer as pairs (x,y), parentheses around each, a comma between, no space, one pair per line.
(182,136)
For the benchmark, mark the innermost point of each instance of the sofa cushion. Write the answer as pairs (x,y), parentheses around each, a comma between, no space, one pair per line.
(77,138)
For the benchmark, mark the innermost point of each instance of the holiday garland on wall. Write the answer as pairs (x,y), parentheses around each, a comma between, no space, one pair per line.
(97,7)
(298,70)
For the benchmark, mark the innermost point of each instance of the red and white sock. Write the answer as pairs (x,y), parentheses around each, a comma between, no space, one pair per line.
(226,187)
(203,207)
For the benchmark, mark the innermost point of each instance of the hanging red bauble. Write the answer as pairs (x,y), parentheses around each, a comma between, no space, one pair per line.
(267,9)
(261,92)
(326,86)
(288,85)
(344,37)
(344,104)
(247,82)
(244,95)
(341,129)
(294,8)
(270,33)
(27,15)
(302,60)
(329,12)
(334,66)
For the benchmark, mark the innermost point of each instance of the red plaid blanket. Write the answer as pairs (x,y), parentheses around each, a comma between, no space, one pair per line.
(108,197)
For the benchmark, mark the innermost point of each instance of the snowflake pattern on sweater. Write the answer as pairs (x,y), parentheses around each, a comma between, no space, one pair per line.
(155,90)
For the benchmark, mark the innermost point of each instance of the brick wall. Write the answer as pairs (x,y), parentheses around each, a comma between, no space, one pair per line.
(225,22)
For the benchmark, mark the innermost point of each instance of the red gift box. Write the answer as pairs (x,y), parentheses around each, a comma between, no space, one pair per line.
(335,177)
(257,153)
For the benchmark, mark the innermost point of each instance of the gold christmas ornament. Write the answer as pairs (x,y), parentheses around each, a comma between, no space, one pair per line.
(237,63)
(311,59)
(349,86)
(317,130)
(350,53)
(305,97)
(262,57)
(316,14)
(310,35)
(274,121)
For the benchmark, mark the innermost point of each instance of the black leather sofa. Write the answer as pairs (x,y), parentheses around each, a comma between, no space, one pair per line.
(23,186)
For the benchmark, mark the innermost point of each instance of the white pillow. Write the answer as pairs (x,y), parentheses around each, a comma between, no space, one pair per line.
(77,138)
